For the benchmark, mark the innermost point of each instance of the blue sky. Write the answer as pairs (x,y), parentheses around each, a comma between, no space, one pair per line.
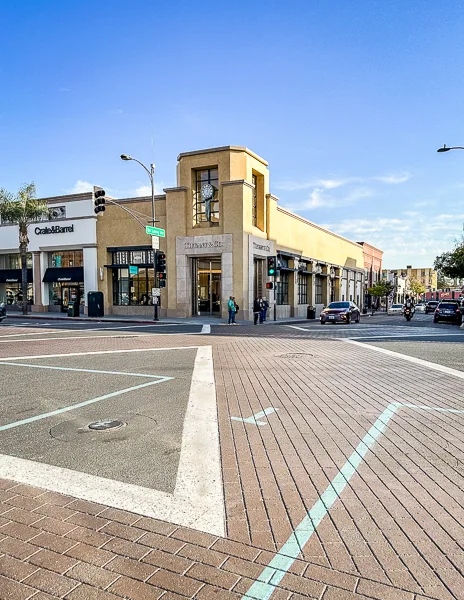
(348,101)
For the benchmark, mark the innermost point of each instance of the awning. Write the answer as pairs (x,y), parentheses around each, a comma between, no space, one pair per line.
(14,276)
(58,274)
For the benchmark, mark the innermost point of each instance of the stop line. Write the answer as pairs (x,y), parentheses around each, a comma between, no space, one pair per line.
(375,331)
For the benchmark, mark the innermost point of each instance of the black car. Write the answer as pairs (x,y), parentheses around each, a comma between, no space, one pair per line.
(340,312)
(431,306)
(2,312)
(448,311)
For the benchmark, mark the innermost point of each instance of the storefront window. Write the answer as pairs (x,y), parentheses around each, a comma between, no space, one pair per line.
(55,292)
(318,285)
(254,201)
(206,206)
(302,288)
(132,289)
(13,294)
(282,288)
(13,261)
(70,258)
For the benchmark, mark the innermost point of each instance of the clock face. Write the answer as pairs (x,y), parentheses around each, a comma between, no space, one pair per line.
(207,191)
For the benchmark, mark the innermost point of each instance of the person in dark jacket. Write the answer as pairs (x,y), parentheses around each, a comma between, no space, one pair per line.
(265,304)
(257,308)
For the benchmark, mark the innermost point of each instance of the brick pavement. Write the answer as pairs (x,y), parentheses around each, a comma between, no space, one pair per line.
(395,532)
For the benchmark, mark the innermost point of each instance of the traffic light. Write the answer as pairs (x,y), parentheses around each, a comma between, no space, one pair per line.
(269,285)
(160,262)
(271,266)
(99,202)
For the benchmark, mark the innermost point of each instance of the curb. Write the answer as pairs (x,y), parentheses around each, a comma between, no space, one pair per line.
(87,319)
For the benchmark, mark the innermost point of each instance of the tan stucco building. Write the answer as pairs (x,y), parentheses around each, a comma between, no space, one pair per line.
(222,223)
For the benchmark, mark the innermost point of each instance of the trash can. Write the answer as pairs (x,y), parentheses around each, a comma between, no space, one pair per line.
(73,309)
(95,304)
(311,314)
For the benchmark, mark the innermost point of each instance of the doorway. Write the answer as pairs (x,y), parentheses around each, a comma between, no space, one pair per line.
(69,293)
(207,283)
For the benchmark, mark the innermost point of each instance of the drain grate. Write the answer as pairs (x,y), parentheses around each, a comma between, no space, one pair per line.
(293,355)
(106,424)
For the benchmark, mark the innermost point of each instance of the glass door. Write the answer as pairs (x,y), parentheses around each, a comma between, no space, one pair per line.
(208,286)
(69,294)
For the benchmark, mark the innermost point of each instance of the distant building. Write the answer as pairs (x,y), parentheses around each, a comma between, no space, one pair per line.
(400,281)
(372,269)
(427,276)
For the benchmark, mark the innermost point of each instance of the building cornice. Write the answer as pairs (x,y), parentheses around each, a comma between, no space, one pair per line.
(180,188)
(224,149)
(239,182)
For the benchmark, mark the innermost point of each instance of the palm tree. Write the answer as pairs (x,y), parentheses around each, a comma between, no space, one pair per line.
(22,209)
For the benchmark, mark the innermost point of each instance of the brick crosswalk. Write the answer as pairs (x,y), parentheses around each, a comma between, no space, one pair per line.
(395,531)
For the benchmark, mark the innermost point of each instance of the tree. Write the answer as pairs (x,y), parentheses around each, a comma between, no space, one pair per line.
(380,289)
(416,287)
(22,209)
(451,264)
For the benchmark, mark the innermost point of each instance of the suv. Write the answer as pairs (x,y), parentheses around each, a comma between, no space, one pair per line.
(431,306)
(449,310)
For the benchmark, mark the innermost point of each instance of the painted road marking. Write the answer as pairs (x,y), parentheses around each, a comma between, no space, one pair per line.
(206,329)
(254,419)
(197,501)
(80,370)
(93,352)
(59,411)
(412,359)
(272,575)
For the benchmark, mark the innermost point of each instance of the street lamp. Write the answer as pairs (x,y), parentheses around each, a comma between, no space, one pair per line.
(446,149)
(151,175)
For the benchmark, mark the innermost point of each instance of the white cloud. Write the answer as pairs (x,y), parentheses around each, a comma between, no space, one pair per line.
(412,238)
(320,198)
(394,179)
(145,190)
(80,187)
(336,182)
(116,111)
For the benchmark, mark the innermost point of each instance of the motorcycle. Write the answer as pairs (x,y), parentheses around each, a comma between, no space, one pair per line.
(408,314)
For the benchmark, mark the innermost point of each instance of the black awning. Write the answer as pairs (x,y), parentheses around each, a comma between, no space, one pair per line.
(57,274)
(14,276)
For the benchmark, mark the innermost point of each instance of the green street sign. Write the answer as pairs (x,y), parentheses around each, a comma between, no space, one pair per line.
(155,231)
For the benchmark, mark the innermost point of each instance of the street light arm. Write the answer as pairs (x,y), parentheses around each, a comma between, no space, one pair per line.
(127,210)
(447,148)
(150,174)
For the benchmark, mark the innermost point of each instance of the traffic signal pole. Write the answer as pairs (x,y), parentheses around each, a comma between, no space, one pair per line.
(156,299)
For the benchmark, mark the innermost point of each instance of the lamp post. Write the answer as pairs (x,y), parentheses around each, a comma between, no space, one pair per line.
(446,149)
(151,175)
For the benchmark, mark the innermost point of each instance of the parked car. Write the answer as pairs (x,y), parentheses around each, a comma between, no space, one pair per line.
(2,312)
(431,306)
(395,309)
(340,312)
(420,307)
(448,311)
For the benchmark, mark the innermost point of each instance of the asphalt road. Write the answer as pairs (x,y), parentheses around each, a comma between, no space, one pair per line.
(15,328)
(152,414)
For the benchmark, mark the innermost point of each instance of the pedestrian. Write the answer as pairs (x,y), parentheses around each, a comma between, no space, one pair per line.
(264,310)
(231,309)
(257,308)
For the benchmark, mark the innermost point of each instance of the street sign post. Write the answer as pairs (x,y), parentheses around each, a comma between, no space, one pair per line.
(155,242)
(155,231)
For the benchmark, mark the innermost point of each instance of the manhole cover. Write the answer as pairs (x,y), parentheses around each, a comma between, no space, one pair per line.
(294,355)
(106,424)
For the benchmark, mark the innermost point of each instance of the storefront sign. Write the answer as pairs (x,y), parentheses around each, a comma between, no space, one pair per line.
(133,270)
(261,247)
(53,229)
(204,244)
(215,245)
(64,279)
